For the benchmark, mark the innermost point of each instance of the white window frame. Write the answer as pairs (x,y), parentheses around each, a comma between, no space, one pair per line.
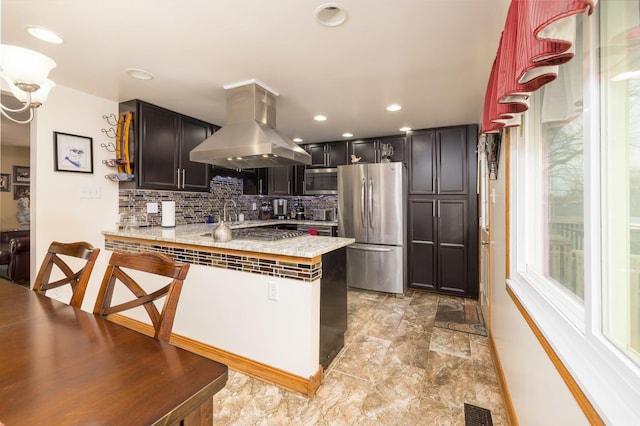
(608,378)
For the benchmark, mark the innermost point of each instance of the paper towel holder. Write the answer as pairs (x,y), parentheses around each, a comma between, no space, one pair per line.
(168,214)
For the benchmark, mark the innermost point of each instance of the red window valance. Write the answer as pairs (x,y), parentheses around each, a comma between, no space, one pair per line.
(537,38)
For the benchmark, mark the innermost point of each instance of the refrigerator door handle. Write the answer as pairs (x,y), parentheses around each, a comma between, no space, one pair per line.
(368,248)
(362,202)
(371,203)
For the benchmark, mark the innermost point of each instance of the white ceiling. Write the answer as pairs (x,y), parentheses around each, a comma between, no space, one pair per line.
(431,56)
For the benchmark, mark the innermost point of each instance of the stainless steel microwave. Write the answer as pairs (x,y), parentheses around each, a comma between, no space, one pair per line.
(321,181)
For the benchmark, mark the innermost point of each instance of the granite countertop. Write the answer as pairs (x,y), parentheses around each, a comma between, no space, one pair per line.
(306,246)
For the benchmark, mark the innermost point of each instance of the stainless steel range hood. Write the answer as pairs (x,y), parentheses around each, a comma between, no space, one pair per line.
(250,138)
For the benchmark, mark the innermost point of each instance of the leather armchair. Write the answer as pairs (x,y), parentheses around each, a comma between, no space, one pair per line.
(14,255)
(19,264)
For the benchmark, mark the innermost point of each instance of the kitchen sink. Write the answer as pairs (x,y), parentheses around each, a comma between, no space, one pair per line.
(262,234)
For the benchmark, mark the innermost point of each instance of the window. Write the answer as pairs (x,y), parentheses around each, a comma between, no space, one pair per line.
(620,100)
(576,199)
(559,136)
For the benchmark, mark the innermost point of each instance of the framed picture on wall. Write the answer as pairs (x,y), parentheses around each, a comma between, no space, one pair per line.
(21,174)
(5,182)
(72,153)
(21,191)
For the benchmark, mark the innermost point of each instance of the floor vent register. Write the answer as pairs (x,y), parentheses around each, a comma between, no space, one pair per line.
(476,416)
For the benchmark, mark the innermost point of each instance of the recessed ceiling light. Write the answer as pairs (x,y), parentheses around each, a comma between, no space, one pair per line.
(347,135)
(394,107)
(297,140)
(320,118)
(44,34)
(331,14)
(405,129)
(139,74)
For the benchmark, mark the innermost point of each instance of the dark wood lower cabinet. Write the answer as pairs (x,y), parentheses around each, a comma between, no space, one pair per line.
(441,250)
(453,247)
(422,251)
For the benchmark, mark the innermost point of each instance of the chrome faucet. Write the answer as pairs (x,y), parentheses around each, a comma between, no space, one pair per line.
(224,208)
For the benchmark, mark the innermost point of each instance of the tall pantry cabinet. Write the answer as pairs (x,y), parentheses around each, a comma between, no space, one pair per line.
(443,210)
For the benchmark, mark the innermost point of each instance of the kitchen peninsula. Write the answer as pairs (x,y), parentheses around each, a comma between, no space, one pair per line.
(275,310)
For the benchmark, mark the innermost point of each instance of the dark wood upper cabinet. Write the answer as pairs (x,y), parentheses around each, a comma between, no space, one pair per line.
(365,149)
(327,154)
(422,162)
(439,161)
(195,176)
(453,162)
(370,150)
(286,180)
(317,153)
(398,145)
(163,140)
(337,154)
(254,181)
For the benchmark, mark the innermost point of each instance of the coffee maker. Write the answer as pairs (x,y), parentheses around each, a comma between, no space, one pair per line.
(298,207)
(279,208)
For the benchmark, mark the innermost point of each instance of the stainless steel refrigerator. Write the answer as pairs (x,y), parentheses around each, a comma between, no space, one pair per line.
(371,209)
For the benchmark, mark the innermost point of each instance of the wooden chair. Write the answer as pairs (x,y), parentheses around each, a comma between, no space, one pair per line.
(78,280)
(153,263)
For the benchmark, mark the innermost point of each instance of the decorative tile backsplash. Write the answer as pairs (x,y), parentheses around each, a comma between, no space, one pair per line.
(195,207)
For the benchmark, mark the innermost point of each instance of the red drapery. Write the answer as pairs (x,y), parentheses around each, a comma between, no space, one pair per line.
(537,38)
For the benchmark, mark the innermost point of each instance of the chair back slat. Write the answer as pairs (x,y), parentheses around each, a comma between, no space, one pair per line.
(152,263)
(78,280)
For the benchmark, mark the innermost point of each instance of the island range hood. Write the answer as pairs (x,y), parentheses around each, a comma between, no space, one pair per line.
(250,138)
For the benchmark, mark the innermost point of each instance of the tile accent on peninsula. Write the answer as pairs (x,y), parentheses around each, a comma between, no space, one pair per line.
(307,272)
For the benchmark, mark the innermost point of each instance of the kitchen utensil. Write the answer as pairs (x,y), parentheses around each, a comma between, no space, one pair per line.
(265,211)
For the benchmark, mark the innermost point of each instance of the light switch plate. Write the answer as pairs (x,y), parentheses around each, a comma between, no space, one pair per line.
(152,207)
(90,192)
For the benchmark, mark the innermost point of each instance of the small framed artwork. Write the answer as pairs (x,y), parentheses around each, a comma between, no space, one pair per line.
(21,174)
(21,191)
(72,153)
(5,182)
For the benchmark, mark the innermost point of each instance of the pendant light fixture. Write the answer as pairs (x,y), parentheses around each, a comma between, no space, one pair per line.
(25,71)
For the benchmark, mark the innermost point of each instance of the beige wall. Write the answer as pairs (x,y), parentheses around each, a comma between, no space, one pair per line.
(58,209)
(10,156)
(538,393)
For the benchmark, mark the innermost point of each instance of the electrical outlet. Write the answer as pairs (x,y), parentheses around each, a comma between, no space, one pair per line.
(152,207)
(253,206)
(273,290)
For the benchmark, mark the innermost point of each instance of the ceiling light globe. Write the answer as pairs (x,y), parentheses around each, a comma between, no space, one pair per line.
(20,65)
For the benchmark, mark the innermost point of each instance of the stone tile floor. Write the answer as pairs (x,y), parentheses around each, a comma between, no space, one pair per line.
(396,369)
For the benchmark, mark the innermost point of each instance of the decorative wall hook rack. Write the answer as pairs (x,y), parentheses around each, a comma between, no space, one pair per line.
(110,132)
(112,121)
(111,117)
(110,146)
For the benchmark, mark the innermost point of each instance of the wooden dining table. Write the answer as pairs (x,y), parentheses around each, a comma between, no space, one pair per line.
(62,366)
